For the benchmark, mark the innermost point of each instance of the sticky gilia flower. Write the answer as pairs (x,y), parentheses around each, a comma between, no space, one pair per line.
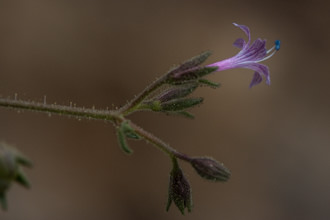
(210,169)
(249,57)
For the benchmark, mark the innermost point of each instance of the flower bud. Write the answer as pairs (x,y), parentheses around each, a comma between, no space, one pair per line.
(179,190)
(177,92)
(185,68)
(210,169)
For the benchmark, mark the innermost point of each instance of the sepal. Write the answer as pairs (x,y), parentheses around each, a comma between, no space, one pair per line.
(180,104)
(208,83)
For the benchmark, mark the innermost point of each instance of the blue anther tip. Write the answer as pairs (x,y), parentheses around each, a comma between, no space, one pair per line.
(277,44)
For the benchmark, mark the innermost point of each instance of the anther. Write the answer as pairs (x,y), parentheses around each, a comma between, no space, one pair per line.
(277,44)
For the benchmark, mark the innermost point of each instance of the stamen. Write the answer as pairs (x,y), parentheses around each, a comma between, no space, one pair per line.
(276,47)
(270,50)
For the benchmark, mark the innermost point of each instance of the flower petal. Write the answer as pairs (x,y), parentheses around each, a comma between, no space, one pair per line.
(256,52)
(245,29)
(239,43)
(261,69)
(256,79)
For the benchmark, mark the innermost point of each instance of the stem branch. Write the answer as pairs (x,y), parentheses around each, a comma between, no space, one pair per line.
(159,143)
(107,115)
(134,103)
(60,109)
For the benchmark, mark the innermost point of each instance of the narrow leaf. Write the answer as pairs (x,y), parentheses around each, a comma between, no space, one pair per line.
(122,142)
(128,131)
(22,179)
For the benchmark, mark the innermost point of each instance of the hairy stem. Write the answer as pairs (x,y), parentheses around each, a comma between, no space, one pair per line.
(134,103)
(87,113)
(153,140)
(60,109)
(159,143)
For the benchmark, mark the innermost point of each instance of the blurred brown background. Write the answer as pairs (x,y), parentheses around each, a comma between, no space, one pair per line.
(275,139)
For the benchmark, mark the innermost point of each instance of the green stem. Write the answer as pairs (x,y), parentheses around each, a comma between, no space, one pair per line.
(87,113)
(78,112)
(134,103)
(153,139)
(159,143)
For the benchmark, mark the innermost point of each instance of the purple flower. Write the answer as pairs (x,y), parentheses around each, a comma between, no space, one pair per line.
(250,57)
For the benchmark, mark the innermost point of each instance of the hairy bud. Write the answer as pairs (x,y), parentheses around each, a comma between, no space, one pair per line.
(177,92)
(179,190)
(210,169)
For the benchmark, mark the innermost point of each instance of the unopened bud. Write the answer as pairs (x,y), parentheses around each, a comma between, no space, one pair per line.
(188,65)
(179,190)
(177,92)
(210,169)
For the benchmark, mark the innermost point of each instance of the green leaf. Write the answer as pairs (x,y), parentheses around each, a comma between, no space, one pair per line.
(180,104)
(23,160)
(22,179)
(122,142)
(128,131)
